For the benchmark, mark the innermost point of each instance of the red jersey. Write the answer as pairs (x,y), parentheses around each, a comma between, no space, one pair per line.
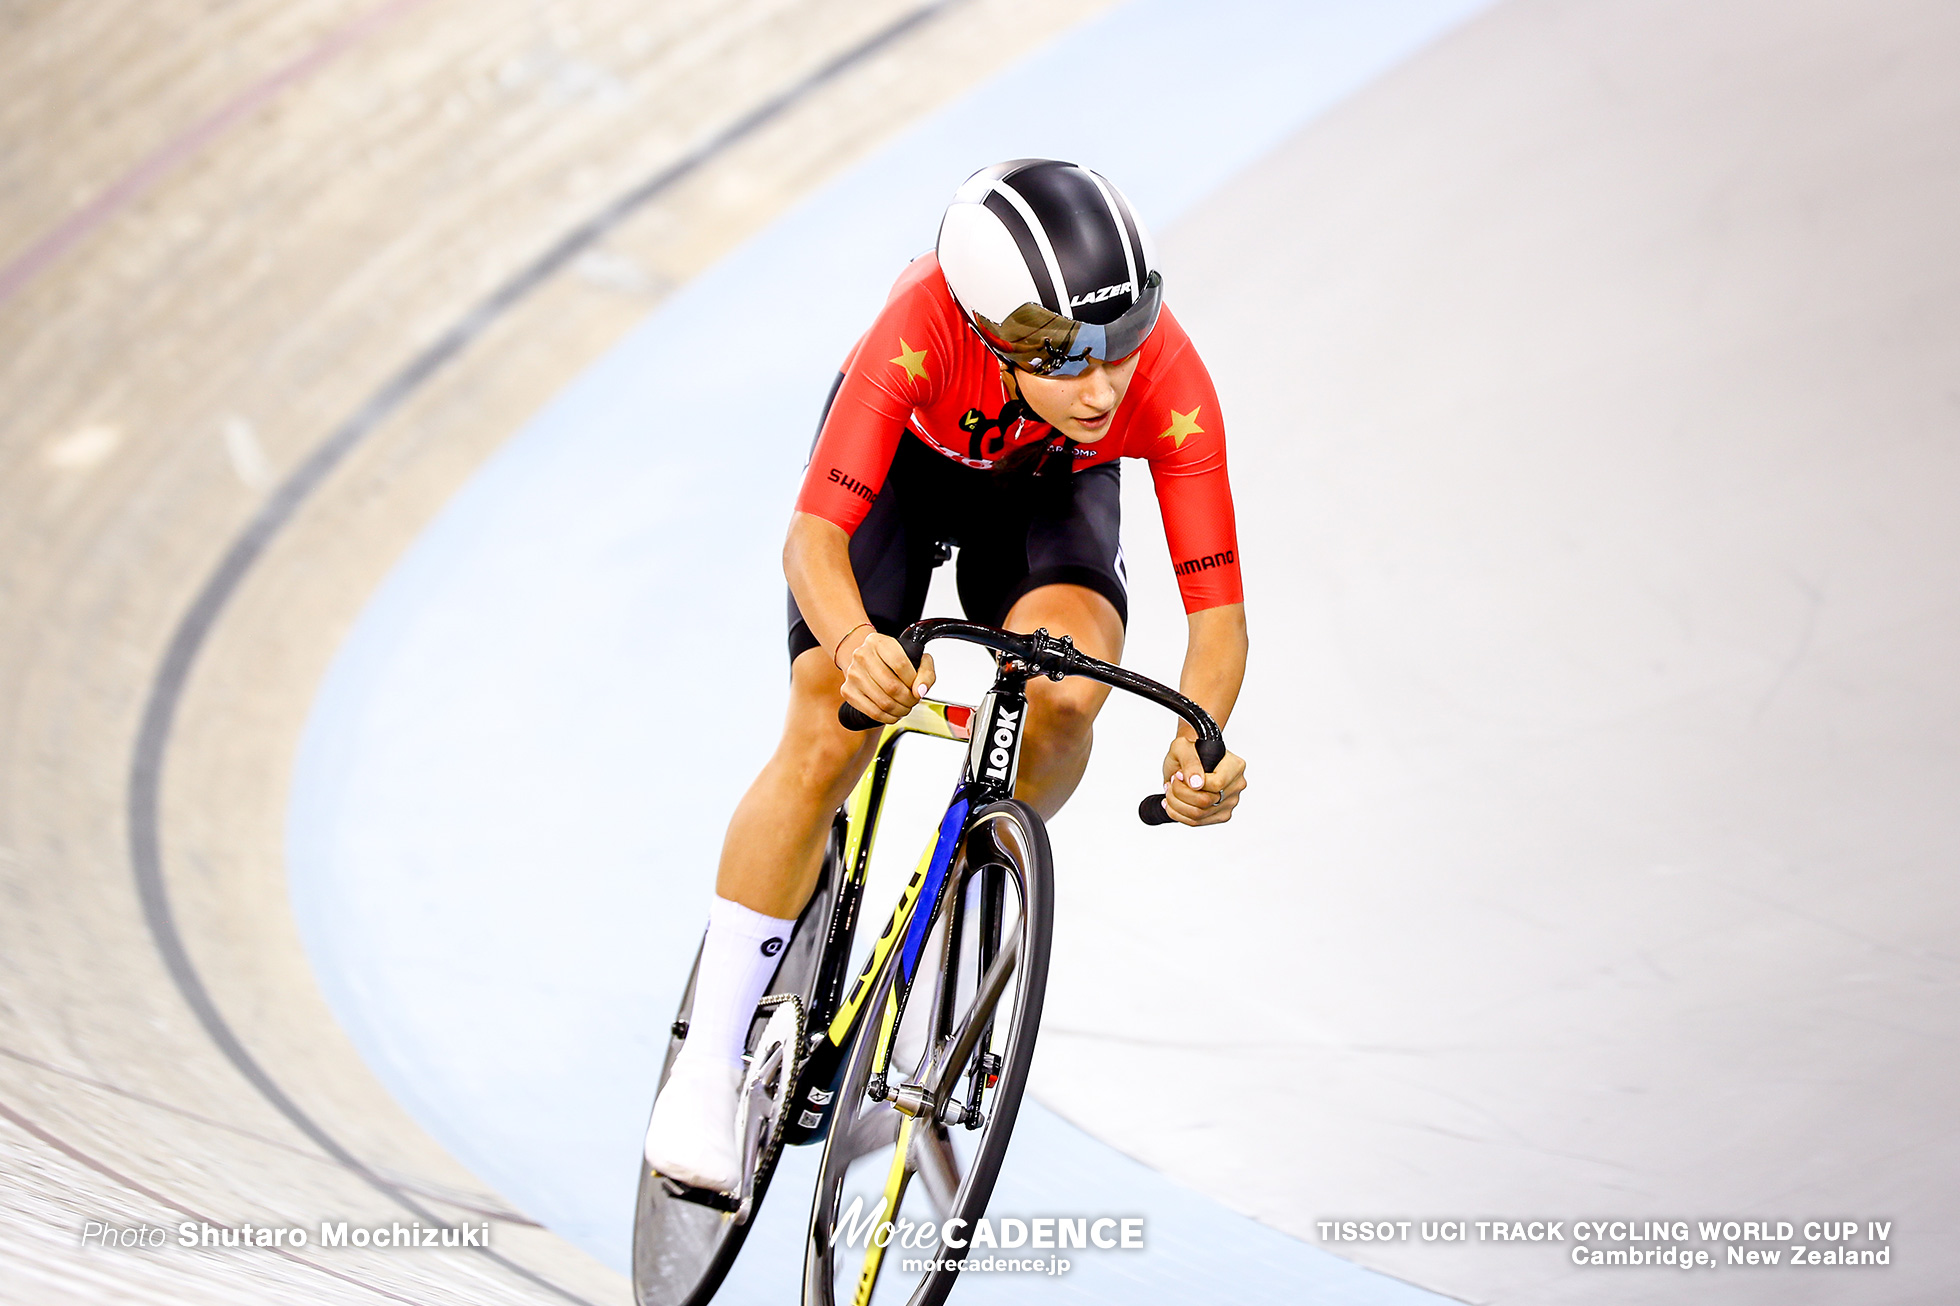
(921,369)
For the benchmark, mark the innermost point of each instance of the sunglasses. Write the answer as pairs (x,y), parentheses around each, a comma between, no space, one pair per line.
(1042,341)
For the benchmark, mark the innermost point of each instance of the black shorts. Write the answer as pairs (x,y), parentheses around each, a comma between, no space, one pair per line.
(1015,532)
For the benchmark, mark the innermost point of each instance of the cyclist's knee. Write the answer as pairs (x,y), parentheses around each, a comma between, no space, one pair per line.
(821,758)
(819,751)
(1065,713)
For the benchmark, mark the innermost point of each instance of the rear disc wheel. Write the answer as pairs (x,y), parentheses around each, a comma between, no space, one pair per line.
(681,1249)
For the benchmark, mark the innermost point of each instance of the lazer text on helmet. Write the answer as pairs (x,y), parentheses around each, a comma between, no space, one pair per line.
(1107,292)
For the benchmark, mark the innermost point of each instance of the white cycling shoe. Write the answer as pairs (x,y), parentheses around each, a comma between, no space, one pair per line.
(691,1137)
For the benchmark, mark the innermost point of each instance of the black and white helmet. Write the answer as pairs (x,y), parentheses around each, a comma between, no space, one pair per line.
(1050,266)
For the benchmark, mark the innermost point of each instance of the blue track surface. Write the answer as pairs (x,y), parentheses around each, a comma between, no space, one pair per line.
(512,788)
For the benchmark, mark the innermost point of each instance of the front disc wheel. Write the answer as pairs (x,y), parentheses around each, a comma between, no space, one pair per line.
(916,1144)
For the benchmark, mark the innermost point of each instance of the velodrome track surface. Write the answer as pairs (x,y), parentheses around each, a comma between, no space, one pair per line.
(1553,427)
(244,253)
(493,904)
(1607,603)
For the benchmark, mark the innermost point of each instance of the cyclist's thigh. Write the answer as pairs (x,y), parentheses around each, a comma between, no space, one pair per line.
(1065,543)
(1083,614)
(1079,542)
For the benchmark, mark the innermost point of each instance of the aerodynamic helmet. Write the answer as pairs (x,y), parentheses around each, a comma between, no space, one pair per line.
(1050,266)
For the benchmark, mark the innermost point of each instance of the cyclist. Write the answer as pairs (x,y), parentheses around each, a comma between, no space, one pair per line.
(988,406)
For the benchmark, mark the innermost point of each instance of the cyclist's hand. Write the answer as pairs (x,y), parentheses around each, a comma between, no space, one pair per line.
(879,679)
(1195,798)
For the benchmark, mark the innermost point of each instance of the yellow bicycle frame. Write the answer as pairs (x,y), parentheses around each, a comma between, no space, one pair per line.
(862,812)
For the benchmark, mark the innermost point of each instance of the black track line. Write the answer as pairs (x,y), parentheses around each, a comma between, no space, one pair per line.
(198,621)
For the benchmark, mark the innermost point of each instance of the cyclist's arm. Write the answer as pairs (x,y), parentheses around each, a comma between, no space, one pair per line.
(817,563)
(896,366)
(878,678)
(1214,668)
(1184,439)
(1214,662)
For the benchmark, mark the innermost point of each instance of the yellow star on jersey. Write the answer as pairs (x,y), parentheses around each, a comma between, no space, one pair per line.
(1182,425)
(912,360)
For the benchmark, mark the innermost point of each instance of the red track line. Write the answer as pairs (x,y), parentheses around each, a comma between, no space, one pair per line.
(74,1154)
(139,180)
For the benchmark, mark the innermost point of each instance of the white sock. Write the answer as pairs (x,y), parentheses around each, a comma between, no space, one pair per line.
(738,959)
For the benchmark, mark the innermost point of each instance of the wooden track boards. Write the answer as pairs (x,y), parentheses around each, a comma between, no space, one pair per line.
(223,230)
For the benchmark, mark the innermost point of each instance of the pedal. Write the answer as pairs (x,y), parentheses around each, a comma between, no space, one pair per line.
(762,1109)
(708,1197)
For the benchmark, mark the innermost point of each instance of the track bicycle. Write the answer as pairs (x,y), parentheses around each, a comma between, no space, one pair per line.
(910,1078)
